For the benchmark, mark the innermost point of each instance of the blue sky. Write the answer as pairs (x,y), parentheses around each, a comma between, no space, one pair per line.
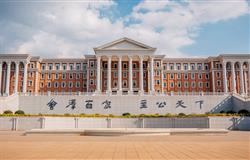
(175,28)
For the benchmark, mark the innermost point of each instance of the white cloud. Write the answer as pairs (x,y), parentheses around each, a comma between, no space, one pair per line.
(151,5)
(73,29)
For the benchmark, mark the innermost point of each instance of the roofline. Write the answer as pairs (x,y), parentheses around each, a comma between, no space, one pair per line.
(121,39)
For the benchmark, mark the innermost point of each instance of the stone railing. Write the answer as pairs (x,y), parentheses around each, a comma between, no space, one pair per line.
(126,93)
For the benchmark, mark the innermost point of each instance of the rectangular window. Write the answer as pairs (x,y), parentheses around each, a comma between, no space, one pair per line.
(84,66)
(178,76)
(185,66)
(29,83)
(158,82)
(207,76)
(125,65)
(48,84)
(185,76)
(158,63)
(186,84)
(56,76)
(91,82)
(91,73)
(43,67)
(64,66)
(199,66)
(171,76)
(218,83)
(192,66)
(84,75)
(42,76)
(71,66)
(92,64)
(50,66)
(200,84)
(172,84)
(206,67)
(207,84)
(57,66)
(78,76)
(171,66)
(164,66)
(178,66)
(200,76)
(78,66)
(157,73)
(179,84)
(192,75)
(77,84)
(218,74)
(64,76)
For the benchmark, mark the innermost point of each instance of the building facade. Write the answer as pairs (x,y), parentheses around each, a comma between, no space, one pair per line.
(124,67)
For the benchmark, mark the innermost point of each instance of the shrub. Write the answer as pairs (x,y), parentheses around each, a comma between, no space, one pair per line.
(231,112)
(181,114)
(111,115)
(168,115)
(7,112)
(67,114)
(142,115)
(243,112)
(19,112)
(126,114)
(222,111)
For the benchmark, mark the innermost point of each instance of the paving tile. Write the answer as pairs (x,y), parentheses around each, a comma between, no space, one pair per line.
(231,146)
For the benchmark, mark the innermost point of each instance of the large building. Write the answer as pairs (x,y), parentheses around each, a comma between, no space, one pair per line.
(124,66)
(124,76)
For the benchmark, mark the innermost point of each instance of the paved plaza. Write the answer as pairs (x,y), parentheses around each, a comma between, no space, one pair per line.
(234,145)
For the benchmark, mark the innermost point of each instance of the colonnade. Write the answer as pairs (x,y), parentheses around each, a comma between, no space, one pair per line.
(130,61)
(244,87)
(5,79)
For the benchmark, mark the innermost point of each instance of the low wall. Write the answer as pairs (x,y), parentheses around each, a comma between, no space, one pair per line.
(231,123)
(9,103)
(26,123)
(117,105)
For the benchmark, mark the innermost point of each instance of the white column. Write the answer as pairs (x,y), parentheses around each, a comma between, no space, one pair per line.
(25,76)
(249,78)
(0,78)
(241,79)
(224,64)
(16,77)
(162,83)
(98,76)
(141,75)
(130,75)
(109,75)
(245,82)
(152,88)
(120,74)
(212,69)
(148,77)
(37,79)
(233,77)
(7,86)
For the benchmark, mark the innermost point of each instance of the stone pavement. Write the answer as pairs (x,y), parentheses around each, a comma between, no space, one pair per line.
(234,146)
